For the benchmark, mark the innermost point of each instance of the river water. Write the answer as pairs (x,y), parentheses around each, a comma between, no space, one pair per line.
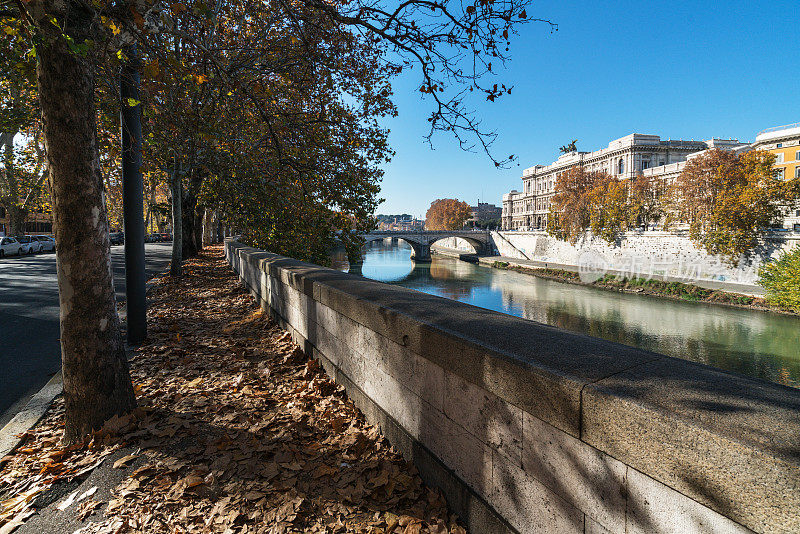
(757,344)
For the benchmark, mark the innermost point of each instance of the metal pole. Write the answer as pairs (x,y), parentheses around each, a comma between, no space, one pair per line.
(132,196)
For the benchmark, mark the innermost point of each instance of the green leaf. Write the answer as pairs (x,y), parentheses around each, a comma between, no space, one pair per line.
(132,102)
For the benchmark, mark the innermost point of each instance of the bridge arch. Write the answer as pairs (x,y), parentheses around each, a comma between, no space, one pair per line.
(477,246)
(421,241)
(420,248)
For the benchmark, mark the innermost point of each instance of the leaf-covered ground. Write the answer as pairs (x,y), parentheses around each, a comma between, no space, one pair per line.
(237,431)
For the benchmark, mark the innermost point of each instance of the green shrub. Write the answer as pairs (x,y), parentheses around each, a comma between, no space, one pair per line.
(781,279)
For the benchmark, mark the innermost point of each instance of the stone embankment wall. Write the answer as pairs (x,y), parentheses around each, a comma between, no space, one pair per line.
(528,428)
(654,253)
(454,243)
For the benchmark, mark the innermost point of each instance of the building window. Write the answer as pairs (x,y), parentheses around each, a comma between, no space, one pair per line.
(621,166)
(780,145)
(797,172)
(797,156)
(645,164)
(779,158)
(779,174)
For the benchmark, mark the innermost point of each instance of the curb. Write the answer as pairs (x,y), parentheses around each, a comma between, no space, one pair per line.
(11,434)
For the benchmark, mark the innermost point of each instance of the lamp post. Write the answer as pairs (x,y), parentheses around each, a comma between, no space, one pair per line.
(132,196)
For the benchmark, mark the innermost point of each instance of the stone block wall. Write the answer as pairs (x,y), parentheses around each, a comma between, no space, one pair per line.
(660,253)
(455,243)
(527,428)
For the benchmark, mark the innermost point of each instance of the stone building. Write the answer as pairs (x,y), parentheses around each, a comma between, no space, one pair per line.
(784,142)
(484,212)
(627,157)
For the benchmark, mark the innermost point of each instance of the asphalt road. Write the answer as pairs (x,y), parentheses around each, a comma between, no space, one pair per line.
(29,348)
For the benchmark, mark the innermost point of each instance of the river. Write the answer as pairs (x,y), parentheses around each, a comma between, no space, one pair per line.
(753,343)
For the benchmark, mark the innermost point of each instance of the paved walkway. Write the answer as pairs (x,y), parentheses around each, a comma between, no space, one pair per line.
(732,287)
(237,431)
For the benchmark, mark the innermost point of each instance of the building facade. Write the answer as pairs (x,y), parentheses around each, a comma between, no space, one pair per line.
(784,142)
(484,212)
(627,157)
(404,222)
(36,223)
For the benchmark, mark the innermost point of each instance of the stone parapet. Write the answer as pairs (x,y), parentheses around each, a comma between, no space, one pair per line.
(528,428)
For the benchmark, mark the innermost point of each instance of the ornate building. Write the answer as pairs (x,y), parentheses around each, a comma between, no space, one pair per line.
(627,157)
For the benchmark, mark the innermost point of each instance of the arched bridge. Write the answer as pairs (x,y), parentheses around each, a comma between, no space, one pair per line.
(421,241)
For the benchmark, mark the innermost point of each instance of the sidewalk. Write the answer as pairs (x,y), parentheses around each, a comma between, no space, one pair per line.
(732,287)
(237,431)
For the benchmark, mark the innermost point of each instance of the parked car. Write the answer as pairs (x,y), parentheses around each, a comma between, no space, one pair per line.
(48,242)
(9,246)
(166,237)
(117,238)
(28,245)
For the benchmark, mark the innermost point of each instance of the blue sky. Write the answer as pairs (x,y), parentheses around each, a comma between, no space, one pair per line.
(675,69)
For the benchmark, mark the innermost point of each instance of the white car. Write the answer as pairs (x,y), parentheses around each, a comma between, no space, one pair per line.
(9,246)
(29,245)
(47,242)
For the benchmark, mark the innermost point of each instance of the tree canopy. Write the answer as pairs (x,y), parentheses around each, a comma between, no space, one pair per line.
(569,213)
(729,199)
(726,199)
(267,114)
(447,214)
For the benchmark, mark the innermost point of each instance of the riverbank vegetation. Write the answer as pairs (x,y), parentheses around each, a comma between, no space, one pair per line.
(725,199)
(656,288)
(781,279)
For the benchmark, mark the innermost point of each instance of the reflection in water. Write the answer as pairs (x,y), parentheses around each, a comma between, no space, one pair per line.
(757,344)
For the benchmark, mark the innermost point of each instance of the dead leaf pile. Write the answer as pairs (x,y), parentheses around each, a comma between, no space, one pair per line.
(40,462)
(237,431)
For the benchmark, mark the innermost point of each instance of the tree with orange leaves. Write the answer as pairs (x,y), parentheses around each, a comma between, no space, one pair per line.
(447,214)
(570,213)
(729,199)
(609,207)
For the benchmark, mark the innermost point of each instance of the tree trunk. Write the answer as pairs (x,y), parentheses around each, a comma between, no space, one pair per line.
(189,201)
(208,227)
(198,227)
(176,265)
(218,235)
(16,219)
(97,383)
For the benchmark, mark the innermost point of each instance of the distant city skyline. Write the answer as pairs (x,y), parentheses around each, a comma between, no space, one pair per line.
(685,71)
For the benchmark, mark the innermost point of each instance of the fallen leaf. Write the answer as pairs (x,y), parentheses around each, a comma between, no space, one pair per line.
(122,462)
(88,493)
(196,382)
(63,505)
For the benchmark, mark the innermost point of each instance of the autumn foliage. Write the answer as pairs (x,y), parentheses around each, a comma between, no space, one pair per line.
(729,199)
(447,214)
(609,207)
(570,207)
(726,199)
